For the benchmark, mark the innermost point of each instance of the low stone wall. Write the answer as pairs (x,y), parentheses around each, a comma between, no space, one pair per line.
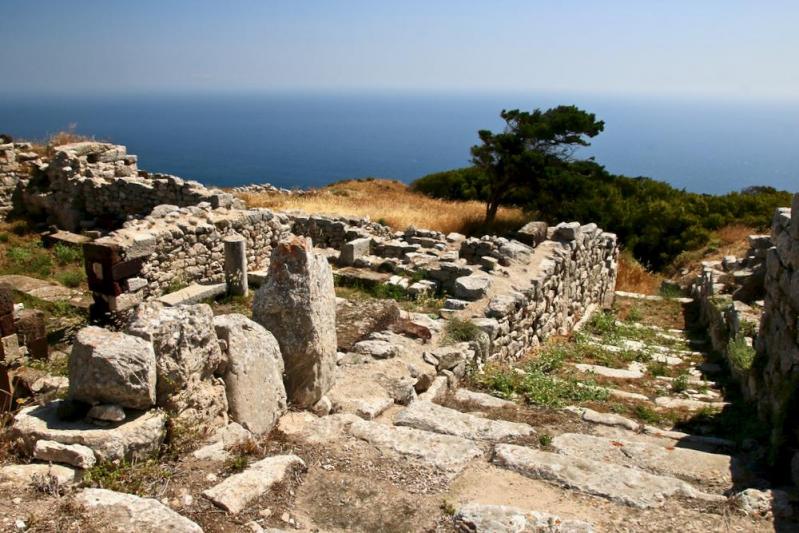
(89,184)
(731,327)
(576,273)
(173,247)
(777,363)
(334,232)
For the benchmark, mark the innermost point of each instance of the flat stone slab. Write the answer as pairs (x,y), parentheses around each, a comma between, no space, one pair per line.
(605,419)
(620,484)
(632,372)
(126,512)
(691,465)
(479,518)
(193,294)
(236,492)
(66,237)
(45,290)
(22,475)
(445,452)
(685,403)
(429,416)
(481,399)
(136,437)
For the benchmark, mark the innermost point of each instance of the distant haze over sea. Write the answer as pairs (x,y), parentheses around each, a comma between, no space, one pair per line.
(309,139)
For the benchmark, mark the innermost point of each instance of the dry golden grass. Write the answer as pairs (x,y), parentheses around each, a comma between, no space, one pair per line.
(729,240)
(634,277)
(45,147)
(394,204)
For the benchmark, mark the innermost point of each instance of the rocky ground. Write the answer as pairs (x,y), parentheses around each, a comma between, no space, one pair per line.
(578,436)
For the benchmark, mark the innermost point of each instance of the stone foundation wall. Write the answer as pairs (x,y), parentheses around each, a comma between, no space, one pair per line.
(89,184)
(576,274)
(777,363)
(174,247)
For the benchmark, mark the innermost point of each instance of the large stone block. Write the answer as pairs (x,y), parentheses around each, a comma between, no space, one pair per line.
(254,376)
(298,305)
(112,367)
(187,357)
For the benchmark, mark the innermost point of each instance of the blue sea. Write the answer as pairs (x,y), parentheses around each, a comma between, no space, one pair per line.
(306,139)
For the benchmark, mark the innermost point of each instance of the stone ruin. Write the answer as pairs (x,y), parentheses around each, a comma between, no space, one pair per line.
(166,356)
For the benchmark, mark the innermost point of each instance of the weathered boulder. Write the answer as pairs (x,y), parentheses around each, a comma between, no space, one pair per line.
(378,349)
(532,233)
(298,305)
(254,376)
(126,512)
(236,492)
(111,367)
(354,250)
(187,358)
(22,475)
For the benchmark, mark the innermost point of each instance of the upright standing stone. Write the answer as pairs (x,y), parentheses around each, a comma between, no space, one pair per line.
(297,304)
(236,265)
(254,375)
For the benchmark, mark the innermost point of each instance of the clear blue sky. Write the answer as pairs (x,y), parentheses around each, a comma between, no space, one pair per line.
(719,48)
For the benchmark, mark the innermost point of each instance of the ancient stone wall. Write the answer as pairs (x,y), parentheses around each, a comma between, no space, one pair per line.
(89,184)
(173,247)
(334,232)
(15,163)
(576,273)
(777,363)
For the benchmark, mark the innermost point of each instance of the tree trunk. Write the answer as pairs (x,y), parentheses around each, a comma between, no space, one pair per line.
(492,205)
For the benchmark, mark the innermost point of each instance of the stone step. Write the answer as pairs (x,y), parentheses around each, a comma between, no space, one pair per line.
(193,294)
(668,402)
(633,371)
(651,297)
(617,483)
(604,419)
(690,465)
(235,493)
(481,518)
(428,416)
(481,399)
(445,452)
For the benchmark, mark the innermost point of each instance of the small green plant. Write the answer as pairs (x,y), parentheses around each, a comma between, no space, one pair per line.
(634,314)
(740,353)
(448,508)
(461,330)
(66,254)
(680,383)
(71,278)
(545,439)
(136,477)
(177,283)
(670,291)
(646,414)
(657,368)
(237,463)
(29,259)
(4,236)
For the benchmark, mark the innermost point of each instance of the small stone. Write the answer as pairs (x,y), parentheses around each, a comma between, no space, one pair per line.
(107,412)
(71,454)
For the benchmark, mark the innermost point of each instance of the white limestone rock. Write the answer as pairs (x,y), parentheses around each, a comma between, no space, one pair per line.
(236,492)
(111,367)
(254,375)
(298,305)
(126,512)
(481,518)
(428,416)
(72,454)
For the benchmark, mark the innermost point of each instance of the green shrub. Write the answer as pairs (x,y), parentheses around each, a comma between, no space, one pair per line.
(29,259)
(461,330)
(66,254)
(71,278)
(680,383)
(740,354)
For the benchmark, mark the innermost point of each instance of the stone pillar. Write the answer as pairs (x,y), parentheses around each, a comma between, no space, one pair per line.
(236,265)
